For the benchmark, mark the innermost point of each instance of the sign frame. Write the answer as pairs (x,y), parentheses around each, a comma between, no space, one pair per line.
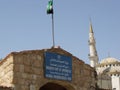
(57,66)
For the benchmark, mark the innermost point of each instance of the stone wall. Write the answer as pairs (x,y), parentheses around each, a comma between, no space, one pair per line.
(28,68)
(6,72)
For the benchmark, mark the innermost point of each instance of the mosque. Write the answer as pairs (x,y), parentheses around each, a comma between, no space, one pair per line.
(108,69)
(56,69)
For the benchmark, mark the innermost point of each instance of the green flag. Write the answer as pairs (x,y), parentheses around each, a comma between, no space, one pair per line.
(50,7)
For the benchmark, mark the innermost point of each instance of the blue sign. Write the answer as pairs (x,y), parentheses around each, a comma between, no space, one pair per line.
(58,66)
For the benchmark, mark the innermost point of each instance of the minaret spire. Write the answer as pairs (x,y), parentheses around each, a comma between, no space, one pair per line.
(91,29)
(93,57)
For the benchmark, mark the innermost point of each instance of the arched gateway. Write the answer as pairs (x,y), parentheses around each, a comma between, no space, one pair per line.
(46,69)
(52,86)
(56,86)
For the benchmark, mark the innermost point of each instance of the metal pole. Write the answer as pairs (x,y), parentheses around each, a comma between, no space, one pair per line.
(53,38)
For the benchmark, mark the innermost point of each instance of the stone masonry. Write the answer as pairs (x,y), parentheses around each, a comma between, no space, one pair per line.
(25,71)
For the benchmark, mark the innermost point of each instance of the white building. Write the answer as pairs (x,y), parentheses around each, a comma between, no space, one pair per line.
(108,70)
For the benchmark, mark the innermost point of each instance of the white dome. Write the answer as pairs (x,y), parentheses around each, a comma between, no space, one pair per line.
(109,60)
(115,69)
(109,65)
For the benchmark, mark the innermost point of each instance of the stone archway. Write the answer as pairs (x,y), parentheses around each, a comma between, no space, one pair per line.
(52,86)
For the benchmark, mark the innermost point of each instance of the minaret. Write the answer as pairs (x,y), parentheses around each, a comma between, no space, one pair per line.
(93,57)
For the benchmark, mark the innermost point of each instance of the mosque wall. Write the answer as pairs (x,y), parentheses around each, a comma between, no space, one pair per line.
(115,82)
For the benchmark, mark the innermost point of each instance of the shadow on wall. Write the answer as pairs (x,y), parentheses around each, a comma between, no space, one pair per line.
(5,88)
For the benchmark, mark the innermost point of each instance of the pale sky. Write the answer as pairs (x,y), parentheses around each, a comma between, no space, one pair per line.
(24,25)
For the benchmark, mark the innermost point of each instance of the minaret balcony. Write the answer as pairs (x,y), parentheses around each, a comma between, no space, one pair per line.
(92,55)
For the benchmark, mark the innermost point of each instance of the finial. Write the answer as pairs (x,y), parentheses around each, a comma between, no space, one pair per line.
(91,29)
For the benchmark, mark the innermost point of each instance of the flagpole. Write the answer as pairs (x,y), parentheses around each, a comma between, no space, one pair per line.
(50,10)
(53,37)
